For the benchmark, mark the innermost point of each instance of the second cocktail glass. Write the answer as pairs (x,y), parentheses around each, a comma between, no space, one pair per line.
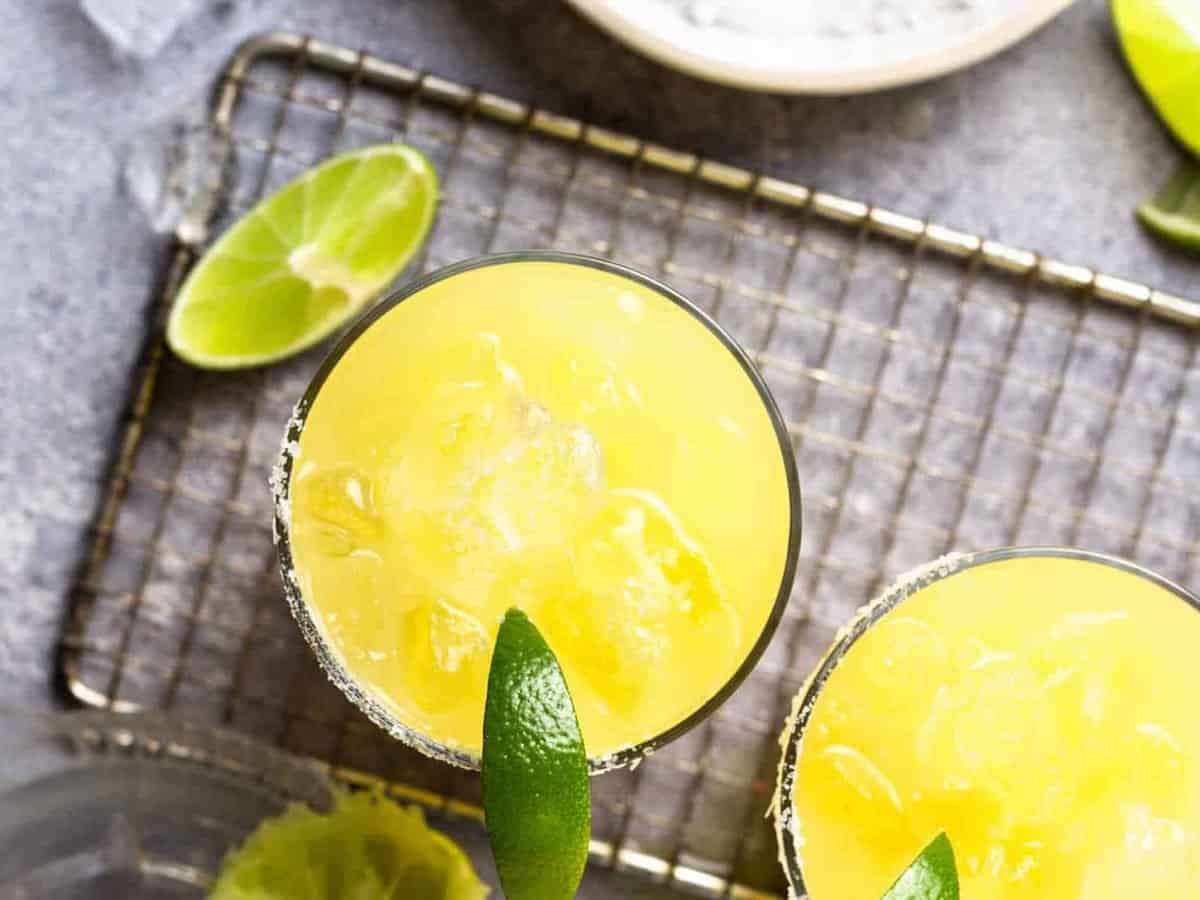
(1034,704)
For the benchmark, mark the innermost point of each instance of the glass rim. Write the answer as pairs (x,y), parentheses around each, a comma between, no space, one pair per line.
(331,664)
(905,586)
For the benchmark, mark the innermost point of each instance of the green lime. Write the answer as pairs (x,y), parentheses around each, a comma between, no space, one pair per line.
(932,876)
(305,259)
(536,797)
(1174,212)
(1161,39)
(368,848)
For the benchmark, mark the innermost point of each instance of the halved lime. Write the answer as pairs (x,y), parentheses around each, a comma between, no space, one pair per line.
(1174,212)
(1161,39)
(305,259)
(536,797)
(368,848)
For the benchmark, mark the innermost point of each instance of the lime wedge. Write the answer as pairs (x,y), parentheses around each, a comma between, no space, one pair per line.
(368,848)
(1161,39)
(536,798)
(932,876)
(1174,212)
(305,259)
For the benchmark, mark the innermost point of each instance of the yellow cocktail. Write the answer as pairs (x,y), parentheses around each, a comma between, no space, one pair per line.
(1037,706)
(554,433)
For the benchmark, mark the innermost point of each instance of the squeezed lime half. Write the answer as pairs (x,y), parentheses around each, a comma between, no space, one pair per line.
(367,848)
(305,259)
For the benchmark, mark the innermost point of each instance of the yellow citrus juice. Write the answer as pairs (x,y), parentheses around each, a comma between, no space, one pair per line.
(1040,710)
(553,436)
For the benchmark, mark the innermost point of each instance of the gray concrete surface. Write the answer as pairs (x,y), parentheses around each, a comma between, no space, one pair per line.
(1048,146)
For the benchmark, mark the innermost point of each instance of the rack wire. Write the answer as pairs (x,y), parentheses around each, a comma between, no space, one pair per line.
(943,391)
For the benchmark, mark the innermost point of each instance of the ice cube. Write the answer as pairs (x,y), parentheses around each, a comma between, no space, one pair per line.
(549,476)
(1157,855)
(169,172)
(338,506)
(640,584)
(447,651)
(138,28)
(458,639)
(863,775)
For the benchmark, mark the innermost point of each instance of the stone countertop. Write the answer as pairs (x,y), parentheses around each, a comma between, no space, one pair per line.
(1049,146)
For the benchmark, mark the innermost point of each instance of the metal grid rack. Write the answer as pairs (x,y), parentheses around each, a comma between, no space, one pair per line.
(943,392)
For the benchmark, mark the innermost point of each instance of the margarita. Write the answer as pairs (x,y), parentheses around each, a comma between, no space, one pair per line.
(1037,706)
(554,434)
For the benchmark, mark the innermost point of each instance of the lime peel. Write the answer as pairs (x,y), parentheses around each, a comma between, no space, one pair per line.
(305,260)
(536,797)
(932,876)
(1173,212)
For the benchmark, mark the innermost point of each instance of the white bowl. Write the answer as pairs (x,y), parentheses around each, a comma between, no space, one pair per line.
(778,54)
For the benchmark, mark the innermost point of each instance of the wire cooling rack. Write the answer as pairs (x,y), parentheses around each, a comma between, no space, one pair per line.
(942,391)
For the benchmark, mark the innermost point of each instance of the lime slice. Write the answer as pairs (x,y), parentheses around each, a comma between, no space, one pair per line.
(1174,212)
(1161,39)
(932,876)
(368,848)
(536,797)
(305,259)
